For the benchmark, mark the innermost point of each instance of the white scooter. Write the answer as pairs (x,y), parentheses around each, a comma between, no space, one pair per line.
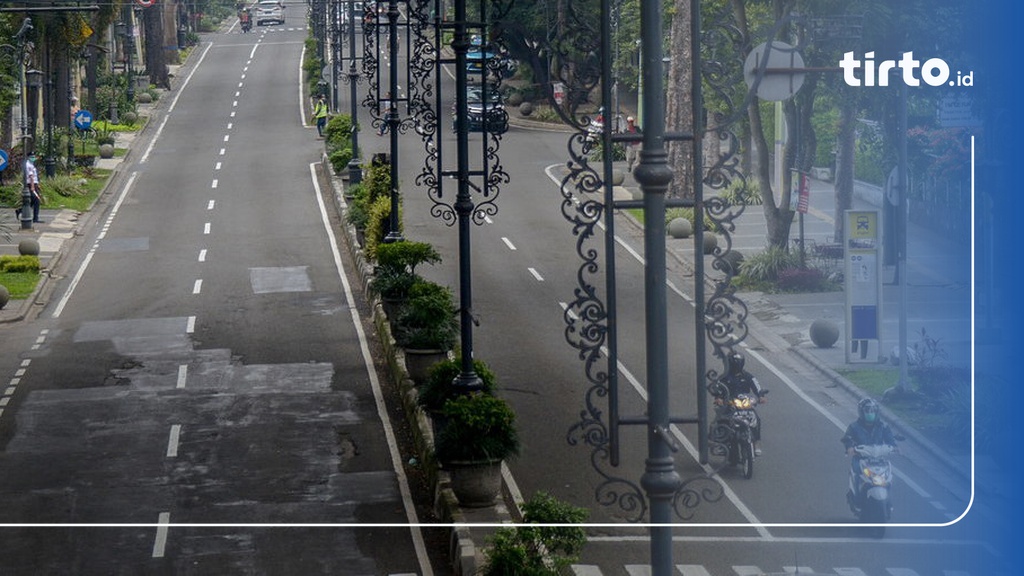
(870,485)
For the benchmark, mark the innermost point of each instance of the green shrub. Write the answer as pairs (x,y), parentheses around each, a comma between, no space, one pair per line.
(377,181)
(439,386)
(338,132)
(378,225)
(427,319)
(64,185)
(741,191)
(339,160)
(767,265)
(358,213)
(673,213)
(406,255)
(477,427)
(538,550)
(9,263)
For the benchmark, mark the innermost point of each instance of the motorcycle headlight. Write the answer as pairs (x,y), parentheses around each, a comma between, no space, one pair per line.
(742,402)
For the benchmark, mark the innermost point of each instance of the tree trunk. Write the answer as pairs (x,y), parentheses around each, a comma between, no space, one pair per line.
(679,110)
(156,63)
(845,142)
(170,37)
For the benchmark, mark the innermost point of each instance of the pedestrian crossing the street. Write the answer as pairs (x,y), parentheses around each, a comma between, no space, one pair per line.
(699,570)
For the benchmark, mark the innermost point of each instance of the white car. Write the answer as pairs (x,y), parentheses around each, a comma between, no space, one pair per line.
(269,11)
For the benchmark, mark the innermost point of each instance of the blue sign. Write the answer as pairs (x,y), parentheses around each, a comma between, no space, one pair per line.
(83,119)
(3,160)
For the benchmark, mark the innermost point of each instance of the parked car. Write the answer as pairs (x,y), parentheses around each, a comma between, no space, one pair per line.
(497,63)
(485,105)
(269,12)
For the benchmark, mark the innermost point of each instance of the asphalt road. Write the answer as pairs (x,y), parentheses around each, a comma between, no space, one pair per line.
(197,396)
(524,268)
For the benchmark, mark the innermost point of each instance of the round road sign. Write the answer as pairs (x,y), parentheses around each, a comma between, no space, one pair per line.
(782,78)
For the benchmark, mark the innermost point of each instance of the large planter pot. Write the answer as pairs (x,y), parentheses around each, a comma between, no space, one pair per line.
(418,362)
(391,306)
(475,484)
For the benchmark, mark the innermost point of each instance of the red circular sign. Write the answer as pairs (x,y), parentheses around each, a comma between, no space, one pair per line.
(145,3)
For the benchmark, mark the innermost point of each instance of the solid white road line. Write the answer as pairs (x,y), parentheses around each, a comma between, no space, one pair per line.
(378,396)
(92,251)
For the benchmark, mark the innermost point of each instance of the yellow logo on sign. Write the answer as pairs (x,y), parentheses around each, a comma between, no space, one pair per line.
(863,225)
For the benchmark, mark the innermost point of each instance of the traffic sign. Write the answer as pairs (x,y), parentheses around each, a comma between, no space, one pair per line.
(145,3)
(3,160)
(782,72)
(83,119)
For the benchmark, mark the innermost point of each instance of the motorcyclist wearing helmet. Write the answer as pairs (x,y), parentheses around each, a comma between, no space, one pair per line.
(739,381)
(868,429)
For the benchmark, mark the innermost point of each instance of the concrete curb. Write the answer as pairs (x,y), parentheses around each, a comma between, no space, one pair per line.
(466,557)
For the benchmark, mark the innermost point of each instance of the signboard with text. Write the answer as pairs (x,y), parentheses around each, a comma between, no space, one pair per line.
(863,285)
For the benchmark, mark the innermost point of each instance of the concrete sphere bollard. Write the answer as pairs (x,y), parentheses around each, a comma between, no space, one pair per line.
(618,177)
(526,108)
(28,247)
(735,260)
(710,243)
(680,228)
(824,333)
(5,296)
(106,150)
(145,98)
(130,118)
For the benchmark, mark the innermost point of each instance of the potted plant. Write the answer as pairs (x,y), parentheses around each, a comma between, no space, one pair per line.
(425,327)
(439,386)
(395,273)
(479,432)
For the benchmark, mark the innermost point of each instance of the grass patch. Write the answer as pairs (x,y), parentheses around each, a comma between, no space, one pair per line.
(82,203)
(919,413)
(19,284)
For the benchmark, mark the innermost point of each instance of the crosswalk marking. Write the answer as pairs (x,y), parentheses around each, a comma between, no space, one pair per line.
(699,570)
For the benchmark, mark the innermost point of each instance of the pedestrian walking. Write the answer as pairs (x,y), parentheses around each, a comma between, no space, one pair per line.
(632,148)
(32,182)
(320,115)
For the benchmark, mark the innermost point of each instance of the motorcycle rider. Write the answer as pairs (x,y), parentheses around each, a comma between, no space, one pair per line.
(867,429)
(245,18)
(739,381)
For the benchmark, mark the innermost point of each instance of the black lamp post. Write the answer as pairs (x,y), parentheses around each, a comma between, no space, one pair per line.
(21,50)
(50,162)
(355,173)
(33,82)
(393,121)
(126,30)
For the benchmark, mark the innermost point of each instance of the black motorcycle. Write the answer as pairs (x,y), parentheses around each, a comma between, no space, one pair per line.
(732,433)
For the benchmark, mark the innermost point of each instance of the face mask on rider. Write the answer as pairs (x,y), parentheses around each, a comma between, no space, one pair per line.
(870,417)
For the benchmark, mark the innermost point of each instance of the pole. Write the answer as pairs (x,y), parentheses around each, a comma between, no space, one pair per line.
(467,380)
(394,234)
(130,47)
(49,162)
(26,193)
(700,336)
(660,479)
(901,138)
(355,174)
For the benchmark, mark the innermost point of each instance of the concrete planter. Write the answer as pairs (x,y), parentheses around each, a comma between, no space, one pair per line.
(476,484)
(419,362)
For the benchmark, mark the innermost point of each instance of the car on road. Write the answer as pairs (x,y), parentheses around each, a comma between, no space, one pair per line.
(485,106)
(269,12)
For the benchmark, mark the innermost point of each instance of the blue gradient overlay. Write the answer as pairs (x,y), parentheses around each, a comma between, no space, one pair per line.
(997,32)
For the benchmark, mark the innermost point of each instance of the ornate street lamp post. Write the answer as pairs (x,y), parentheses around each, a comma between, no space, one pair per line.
(355,173)
(21,51)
